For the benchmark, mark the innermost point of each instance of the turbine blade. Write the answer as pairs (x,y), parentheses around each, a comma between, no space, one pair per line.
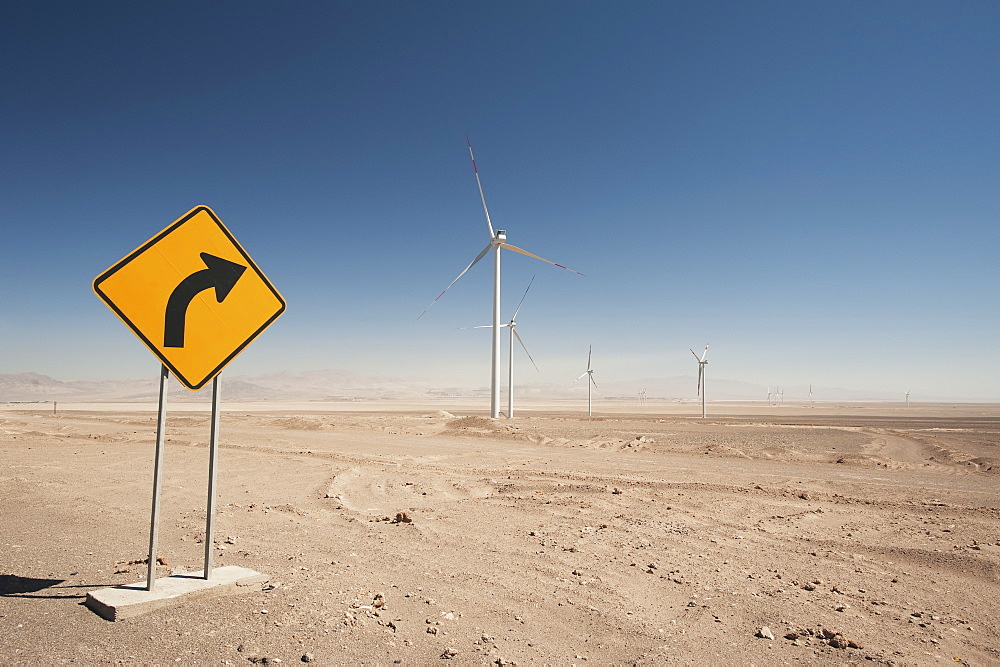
(525,252)
(481,195)
(518,336)
(701,372)
(581,375)
(590,352)
(516,310)
(482,326)
(705,353)
(592,379)
(464,271)
(695,355)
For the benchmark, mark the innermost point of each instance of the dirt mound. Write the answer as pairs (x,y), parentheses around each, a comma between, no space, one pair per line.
(484,423)
(300,424)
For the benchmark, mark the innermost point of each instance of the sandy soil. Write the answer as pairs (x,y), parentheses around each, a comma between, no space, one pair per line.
(405,534)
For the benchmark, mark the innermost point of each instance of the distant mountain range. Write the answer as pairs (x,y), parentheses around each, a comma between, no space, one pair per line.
(340,385)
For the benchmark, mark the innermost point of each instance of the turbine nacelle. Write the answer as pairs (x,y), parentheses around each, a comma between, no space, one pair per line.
(501,235)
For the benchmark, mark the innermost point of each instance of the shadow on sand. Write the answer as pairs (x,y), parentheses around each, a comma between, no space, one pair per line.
(12,585)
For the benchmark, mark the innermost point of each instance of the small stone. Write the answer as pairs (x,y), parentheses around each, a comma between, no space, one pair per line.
(838,642)
(449,653)
(308,657)
(791,635)
(765,633)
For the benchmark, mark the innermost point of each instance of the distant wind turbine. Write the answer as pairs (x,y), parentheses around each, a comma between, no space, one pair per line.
(907,392)
(769,396)
(498,239)
(810,395)
(702,362)
(590,382)
(512,325)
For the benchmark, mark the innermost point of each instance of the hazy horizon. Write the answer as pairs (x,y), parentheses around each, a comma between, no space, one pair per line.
(339,384)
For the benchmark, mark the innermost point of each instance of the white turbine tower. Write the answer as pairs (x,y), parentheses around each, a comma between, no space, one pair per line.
(512,325)
(907,392)
(810,395)
(769,396)
(498,239)
(702,362)
(590,383)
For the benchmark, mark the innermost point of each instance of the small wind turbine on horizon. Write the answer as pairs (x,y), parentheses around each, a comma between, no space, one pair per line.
(702,362)
(590,383)
(498,240)
(907,392)
(810,395)
(512,325)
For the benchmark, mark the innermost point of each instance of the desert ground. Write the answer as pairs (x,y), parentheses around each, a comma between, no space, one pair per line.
(429,533)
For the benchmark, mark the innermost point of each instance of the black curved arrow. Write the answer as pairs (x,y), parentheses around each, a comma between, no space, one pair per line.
(220,274)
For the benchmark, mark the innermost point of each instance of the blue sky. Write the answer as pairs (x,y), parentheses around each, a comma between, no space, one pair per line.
(811,187)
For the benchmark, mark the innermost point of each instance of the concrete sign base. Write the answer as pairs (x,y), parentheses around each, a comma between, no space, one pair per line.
(130,600)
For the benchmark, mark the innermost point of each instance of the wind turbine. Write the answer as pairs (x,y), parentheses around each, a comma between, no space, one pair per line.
(769,396)
(512,325)
(498,239)
(591,382)
(701,376)
(907,392)
(810,395)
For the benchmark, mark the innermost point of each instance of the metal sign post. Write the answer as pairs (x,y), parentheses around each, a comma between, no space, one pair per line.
(161,420)
(212,459)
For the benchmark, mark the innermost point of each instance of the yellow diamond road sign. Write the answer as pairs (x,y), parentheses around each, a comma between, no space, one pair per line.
(192,295)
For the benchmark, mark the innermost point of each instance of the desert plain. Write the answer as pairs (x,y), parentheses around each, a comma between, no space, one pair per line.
(429,533)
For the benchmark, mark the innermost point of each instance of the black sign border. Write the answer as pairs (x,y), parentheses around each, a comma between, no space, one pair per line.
(195,386)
